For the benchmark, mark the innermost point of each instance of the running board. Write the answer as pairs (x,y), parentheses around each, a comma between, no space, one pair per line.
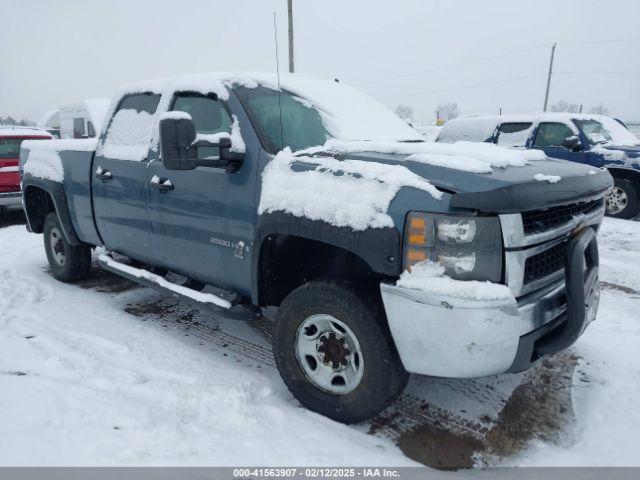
(200,299)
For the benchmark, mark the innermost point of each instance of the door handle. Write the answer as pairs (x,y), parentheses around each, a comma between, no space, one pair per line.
(103,174)
(162,184)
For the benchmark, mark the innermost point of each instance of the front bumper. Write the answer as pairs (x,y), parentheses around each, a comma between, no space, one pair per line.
(11,200)
(448,336)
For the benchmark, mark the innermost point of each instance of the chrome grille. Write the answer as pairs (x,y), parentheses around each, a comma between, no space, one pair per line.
(545,263)
(536,221)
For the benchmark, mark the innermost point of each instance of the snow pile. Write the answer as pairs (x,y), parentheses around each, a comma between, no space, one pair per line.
(128,136)
(237,142)
(58,145)
(175,115)
(349,193)
(428,276)
(45,164)
(610,154)
(540,177)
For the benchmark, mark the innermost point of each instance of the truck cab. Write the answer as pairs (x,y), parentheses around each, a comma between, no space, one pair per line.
(384,254)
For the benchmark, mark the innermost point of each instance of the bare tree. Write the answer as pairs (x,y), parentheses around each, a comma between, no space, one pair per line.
(405,112)
(564,106)
(447,111)
(599,110)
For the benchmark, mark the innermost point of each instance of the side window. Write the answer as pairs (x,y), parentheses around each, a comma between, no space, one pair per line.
(129,132)
(552,134)
(209,117)
(78,128)
(91,131)
(514,134)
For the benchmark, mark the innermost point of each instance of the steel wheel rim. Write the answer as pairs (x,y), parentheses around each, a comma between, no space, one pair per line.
(329,354)
(57,246)
(617,200)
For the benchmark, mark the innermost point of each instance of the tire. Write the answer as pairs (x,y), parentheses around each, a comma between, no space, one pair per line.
(622,202)
(380,376)
(67,262)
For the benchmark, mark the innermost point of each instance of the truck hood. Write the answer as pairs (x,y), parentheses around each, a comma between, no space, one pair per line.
(510,189)
(629,151)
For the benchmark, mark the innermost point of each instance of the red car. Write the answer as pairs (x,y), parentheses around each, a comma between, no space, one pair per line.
(10,140)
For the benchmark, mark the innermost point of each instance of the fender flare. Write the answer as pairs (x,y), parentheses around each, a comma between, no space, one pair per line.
(56,192)
(380,248)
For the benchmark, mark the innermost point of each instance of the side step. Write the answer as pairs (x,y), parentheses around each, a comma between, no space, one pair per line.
(200,299)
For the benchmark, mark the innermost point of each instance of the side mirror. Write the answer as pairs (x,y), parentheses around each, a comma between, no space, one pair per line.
(179,149)
(176,136)
(572,143)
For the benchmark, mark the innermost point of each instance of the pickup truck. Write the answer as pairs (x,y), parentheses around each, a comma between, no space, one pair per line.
(596,140)
(384,254)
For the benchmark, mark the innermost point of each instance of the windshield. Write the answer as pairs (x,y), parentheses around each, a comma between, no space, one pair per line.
(299,125)
(594,131)
(10,147)
(314,110)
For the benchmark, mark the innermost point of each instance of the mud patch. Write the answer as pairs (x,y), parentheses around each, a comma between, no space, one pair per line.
(160,309)
(620,288)
(539,408)
(104,281)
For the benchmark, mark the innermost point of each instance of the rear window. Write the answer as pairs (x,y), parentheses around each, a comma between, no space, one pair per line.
(10,147)
(129,134)
(514,134)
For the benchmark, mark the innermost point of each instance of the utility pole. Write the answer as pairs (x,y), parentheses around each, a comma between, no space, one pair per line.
(546,95)
(291,66)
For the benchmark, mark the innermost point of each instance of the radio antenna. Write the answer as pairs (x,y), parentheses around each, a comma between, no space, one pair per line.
(275,38)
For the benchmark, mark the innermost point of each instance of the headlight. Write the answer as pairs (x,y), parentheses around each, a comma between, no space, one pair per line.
(469,248)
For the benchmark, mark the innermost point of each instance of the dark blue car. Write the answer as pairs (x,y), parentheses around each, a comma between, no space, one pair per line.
(597,140)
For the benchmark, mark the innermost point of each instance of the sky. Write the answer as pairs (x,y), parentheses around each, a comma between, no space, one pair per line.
(484,55)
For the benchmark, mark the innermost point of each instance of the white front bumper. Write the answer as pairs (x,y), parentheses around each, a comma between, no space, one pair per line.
(462,338)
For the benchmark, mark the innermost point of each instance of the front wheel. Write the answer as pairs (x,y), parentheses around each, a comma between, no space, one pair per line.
(622,202)
(68,262)
(334,351)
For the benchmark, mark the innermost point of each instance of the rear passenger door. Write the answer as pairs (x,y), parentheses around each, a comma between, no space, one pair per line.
(120,176)
(549,137)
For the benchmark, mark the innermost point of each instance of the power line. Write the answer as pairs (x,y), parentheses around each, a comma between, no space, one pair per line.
(463,87)
(455,65)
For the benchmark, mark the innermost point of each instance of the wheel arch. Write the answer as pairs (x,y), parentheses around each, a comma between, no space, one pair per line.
(41,197)
(291,251)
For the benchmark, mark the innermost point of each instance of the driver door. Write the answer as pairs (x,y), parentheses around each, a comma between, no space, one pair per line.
(189,223)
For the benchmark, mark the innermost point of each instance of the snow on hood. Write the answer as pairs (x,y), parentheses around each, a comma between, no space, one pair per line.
(466,156)
(347,193)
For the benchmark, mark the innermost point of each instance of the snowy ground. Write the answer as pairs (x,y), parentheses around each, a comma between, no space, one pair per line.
(106,373)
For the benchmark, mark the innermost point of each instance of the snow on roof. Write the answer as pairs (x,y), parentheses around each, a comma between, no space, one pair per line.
(97,108)
(22,131)
(47,117)
(348,114)
(479,128)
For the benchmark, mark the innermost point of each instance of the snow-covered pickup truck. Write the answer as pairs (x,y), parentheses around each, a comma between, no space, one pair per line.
(385,254)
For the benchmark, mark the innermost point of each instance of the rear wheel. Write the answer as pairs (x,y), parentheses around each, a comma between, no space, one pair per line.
(68,262)
(334,351)
(622,202)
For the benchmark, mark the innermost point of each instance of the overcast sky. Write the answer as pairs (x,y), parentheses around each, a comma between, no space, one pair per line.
(481,54)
